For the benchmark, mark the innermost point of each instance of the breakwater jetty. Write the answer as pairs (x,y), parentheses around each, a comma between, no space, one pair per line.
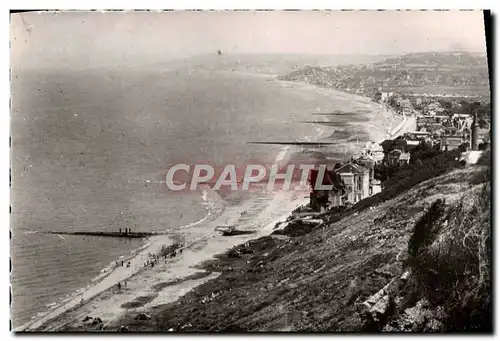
(114,234)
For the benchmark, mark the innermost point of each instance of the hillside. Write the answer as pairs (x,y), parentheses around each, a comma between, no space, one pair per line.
(440,73)
(413,259)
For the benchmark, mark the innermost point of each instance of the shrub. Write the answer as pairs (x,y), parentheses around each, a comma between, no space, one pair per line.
(481,177)
(485,159)
(425,229)
(450,258)
(423,151)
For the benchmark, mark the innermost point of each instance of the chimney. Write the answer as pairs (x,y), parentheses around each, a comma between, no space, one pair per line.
(474,134)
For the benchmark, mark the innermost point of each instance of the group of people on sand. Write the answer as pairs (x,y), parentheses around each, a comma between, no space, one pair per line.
(175,252)
(122,263)
(153,259)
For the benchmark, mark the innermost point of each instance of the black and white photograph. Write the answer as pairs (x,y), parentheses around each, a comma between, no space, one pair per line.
(216,171)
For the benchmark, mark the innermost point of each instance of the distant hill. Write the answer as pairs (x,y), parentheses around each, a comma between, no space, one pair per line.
(441,59)
(280,63)
(435,72)
(268,64)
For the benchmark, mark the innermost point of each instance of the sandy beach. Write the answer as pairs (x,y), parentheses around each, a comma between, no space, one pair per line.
(172,277)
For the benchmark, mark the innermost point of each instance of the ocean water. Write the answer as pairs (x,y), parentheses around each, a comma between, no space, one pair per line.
(89,151)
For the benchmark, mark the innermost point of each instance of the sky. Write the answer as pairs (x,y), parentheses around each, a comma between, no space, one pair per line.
(97,39)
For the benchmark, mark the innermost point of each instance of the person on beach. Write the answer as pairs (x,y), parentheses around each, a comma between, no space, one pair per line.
(122,263)
(119,286)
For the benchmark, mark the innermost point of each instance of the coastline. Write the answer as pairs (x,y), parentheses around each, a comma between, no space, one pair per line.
(102,299)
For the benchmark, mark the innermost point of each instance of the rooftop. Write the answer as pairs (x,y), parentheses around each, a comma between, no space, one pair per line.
(330,178)
(351,167)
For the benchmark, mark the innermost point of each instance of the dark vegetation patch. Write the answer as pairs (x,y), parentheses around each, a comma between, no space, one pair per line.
(142,300)
(482,176)
(196,275)
(139,301)
(295,229)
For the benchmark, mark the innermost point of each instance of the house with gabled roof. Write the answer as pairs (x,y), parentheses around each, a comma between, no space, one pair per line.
(398,157)
(368,163)
(324,198)
(356,179)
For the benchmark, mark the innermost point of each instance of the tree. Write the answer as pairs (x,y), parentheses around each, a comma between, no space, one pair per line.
(446,104)
(394,102)
(423,151)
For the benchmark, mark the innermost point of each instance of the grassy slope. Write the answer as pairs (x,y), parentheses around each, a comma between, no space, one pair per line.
(313,282)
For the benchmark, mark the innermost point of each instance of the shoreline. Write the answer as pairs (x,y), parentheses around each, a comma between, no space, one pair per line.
(97,286)
(365,101)
(406,123)
(64,315)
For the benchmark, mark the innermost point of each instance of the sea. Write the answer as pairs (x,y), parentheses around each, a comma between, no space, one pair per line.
(90,148)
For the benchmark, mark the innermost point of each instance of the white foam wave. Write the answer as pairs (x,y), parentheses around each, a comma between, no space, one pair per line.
(209,200)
